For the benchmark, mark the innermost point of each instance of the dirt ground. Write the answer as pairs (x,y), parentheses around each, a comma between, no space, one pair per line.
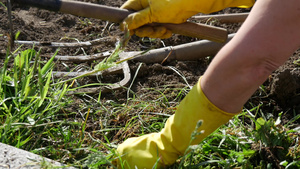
(282,89)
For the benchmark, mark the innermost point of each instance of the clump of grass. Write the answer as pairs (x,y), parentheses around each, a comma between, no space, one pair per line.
(30,107)
(27,102)
(34,115)
(261,143)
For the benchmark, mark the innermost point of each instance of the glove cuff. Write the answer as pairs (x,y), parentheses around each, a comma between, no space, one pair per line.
(210,6)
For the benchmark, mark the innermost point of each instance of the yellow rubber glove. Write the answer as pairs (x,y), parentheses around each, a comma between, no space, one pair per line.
(165,147)
(171,11)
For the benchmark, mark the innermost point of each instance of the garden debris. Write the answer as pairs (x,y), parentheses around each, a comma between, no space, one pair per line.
(98,41)
(223,18)
(188,51)
(122,67)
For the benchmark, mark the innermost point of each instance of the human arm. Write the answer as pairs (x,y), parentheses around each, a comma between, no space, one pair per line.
(170,11)
(265,41)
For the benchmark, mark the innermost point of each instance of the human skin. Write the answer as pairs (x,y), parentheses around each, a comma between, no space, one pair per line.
(268,37)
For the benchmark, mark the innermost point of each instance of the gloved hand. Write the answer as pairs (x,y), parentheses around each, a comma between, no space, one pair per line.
(163,148)
(170,11)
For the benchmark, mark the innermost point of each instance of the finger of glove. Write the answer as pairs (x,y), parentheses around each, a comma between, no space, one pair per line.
(144,31)
(135,5)
(153,32)
(138,19)
(167,34)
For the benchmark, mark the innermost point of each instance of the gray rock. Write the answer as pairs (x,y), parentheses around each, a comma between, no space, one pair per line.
(14,158)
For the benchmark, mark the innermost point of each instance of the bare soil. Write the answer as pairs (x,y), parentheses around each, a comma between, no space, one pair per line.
(281,92)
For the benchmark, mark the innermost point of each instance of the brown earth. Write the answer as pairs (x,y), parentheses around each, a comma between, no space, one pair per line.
(281,92)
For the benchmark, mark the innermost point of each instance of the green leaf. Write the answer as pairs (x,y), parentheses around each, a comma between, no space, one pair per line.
(63,92)
(45,87)
(21,143)
(259,122)
(48,65)
(248,152)
(284,163)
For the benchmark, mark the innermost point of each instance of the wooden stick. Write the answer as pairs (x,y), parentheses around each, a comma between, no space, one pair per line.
(117,15)
(188,51)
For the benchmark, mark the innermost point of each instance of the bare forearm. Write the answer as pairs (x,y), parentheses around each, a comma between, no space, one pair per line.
(267,38)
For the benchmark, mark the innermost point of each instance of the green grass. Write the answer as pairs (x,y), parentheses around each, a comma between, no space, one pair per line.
(38,115)
(243,145)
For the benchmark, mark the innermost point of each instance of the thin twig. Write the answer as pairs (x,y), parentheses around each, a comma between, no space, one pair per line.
(69,45)
(168,55)
(81,58)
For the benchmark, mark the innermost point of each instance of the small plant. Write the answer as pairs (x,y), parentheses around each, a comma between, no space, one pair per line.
(274,142)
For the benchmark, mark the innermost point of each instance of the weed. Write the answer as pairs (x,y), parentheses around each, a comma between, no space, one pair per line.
(27,100)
